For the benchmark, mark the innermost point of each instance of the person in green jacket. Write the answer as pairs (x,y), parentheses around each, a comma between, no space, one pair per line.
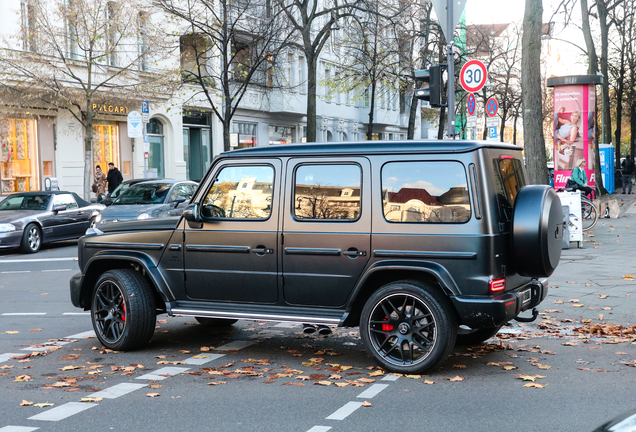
(578,176)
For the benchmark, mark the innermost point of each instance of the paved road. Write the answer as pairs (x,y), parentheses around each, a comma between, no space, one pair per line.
(266,374)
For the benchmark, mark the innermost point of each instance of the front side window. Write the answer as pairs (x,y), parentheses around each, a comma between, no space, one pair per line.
(25,202)
(425,192)
(327,192)
(240,192)
(144,193)
(65,200)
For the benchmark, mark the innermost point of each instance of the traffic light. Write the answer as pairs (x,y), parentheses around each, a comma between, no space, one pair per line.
(432,94)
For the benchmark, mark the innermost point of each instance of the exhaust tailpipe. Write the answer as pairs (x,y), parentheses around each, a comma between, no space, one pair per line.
(324,330)
(309,329)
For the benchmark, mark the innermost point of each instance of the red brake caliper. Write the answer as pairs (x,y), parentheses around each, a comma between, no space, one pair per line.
(387,327)
(123,307)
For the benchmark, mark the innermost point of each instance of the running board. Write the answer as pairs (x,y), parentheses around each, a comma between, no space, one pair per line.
(255,316)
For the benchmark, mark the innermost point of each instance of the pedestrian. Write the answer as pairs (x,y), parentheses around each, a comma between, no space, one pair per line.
(627,169)
(579,177)
(99,186)
(114,178)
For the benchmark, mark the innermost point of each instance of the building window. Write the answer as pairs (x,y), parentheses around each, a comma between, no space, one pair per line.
(197,145)
(194,59)
(302,74)
(111,9)
(19,170)
(244,135)
(28,19)
(281,134)
(156,167)
(142,40)
(105,145)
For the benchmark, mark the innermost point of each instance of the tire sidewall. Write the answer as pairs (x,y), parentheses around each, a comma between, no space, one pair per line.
(443,316)
(25,247)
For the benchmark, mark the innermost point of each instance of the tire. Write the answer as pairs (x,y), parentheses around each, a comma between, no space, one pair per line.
(402,341)
(123,310)
(215,322)
(537,231)
(589,215)
(31,239)
(475,337)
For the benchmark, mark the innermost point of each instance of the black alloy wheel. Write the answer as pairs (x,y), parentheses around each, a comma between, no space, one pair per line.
(31,239)
(408,327)
(123,310)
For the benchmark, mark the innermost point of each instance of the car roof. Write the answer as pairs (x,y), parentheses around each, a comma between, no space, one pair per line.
(371,147)
(140,180)
(166,181)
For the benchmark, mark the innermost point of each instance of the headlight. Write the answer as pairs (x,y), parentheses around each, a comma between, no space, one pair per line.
(143,216)
(98,218)
(7,228)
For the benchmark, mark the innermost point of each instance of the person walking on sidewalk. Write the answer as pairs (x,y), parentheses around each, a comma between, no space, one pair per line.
(114,178)
(627,169)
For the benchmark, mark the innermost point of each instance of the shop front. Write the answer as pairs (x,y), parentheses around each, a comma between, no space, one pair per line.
(19,158)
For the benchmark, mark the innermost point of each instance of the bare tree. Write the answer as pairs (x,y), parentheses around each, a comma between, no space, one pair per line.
(227,48)
(534,141)
(76,56)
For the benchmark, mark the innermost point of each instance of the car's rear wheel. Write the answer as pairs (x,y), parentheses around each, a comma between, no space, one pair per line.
(215,322)
(123,310)
(31,239)
(474,337)
(408,327)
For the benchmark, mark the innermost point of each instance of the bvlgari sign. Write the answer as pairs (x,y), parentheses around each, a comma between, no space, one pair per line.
(112,109)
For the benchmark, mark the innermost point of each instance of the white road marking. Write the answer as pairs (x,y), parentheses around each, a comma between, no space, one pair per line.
(76,313)
(57,270)
(82,335)
(63,411)
(236,345)
(291,325)
(343,412)
(118,390)
(202,359)
(163,373)
(11,272)
(313,429)
(23,313)
(17,429)
(44,347)
(37,260)
(7,356)
(372,391)
(390,378)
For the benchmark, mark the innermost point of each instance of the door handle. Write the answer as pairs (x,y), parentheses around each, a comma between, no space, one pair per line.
(354,253)
(263,250)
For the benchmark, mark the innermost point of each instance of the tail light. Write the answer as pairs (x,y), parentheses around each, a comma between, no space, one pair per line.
(497,285)
(506,157)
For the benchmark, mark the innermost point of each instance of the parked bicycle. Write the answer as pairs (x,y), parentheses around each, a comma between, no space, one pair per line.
(589,211)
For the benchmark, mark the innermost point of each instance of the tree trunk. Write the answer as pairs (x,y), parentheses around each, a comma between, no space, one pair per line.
(606,121)
(632,127)
(371,110)
(531,92)
(311,96)
(88,151)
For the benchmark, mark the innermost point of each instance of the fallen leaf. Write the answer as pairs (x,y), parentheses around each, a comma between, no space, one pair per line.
(600,317)
(535,385)
(35,330)
(323,383)
(156,394)
(217,382)
(67,368)
(413,376)
(603,296)
(156,386)
(341,384)
(457,378)
(607,308)
(573,300)
(428,382)
(460,366)
(12,332)
(509,367)
(89,399)
(366,404)
(377,373)
(43,405)
(628,276)
(570,344)
(527,378)
(22,378)
(26,403)
(578,305)
(70,357)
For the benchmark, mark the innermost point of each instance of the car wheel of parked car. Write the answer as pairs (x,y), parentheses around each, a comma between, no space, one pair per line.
(215,322)
(474,337)
(31,239)
(537,231)
(408,327)
(123,310)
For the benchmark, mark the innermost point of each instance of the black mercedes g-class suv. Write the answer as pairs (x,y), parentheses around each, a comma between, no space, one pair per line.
(420,244)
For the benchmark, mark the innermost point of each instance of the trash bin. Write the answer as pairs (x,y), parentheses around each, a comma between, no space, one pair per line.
(606,153)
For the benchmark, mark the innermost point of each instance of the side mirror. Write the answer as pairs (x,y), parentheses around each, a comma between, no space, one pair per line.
(59,208)
(191,212)
(178,200)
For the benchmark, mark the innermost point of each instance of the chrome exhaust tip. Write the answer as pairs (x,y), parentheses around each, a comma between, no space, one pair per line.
(309,329)
(324,330)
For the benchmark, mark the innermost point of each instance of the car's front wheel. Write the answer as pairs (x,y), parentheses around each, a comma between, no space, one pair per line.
(123,310)
(31,239)
(408,327)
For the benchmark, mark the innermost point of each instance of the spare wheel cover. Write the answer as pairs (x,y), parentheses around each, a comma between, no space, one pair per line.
(537,231)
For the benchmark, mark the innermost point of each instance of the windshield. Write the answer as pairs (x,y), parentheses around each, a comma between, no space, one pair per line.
(144,193)
(120,189)
(25,202)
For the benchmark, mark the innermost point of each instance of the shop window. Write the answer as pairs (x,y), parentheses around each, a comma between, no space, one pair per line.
(19,170)
(105,146)
(281,134)
(246,134)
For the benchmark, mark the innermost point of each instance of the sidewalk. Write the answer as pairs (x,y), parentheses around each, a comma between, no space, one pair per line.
(599,268)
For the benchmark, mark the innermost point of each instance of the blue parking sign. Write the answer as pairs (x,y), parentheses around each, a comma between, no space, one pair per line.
(145,107)
(492,132)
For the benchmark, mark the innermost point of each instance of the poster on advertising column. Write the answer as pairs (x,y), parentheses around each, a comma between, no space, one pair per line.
(574,127)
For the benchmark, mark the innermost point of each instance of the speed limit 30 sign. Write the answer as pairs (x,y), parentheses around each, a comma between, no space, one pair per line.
(473,76)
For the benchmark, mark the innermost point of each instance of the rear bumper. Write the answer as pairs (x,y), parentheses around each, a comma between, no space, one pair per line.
(486,311)
(76,289)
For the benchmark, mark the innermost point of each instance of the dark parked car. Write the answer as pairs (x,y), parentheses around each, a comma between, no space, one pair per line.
(29,219)
(148,200)
(420,244)
(121,188)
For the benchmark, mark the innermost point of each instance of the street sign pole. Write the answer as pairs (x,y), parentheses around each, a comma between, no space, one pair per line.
(450,97)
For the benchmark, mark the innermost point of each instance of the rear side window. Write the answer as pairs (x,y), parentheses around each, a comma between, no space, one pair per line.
(508,179)
(327,192)
(425,192)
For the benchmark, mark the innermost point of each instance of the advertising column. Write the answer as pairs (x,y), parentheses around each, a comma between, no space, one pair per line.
(574,127)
